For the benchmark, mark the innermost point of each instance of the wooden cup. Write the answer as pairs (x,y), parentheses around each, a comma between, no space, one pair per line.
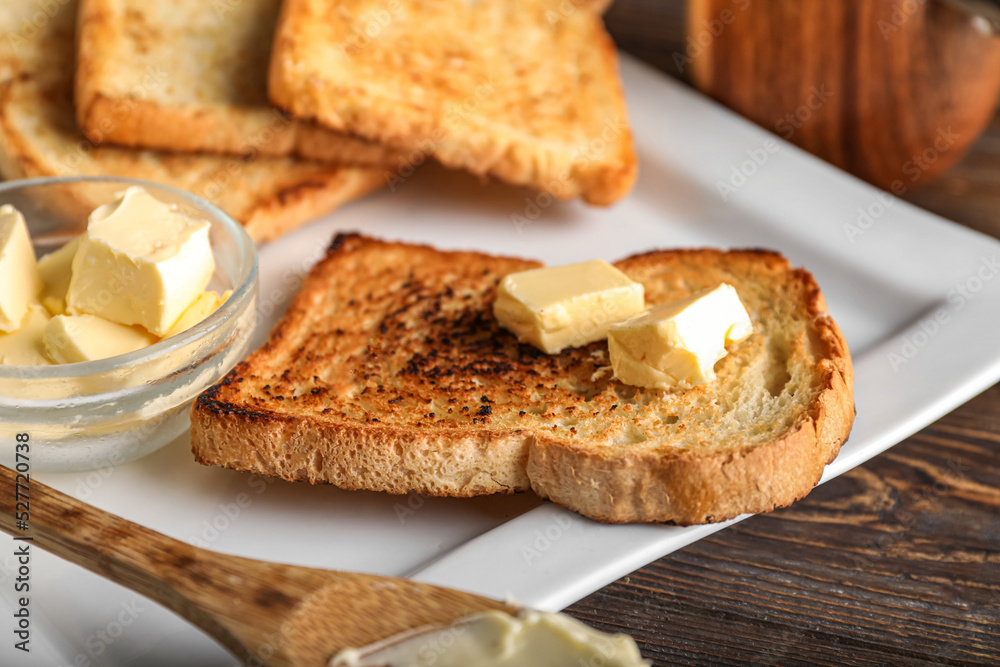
(893,91)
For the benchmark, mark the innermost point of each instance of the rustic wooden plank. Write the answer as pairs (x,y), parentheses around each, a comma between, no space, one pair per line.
(896,562)
(969,192)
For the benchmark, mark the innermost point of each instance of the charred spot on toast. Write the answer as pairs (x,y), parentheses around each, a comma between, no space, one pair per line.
(220,399)
(290,193)
(422,331)
(205,403)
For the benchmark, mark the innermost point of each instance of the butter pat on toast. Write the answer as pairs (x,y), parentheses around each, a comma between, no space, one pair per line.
(193,76)
(389,372)
(39,137)
(527,92)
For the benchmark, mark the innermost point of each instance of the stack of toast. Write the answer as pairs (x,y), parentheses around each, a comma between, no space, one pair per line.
(39,135)
(279,111)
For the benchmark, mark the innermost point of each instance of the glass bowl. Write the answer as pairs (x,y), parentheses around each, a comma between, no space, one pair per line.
(97,414)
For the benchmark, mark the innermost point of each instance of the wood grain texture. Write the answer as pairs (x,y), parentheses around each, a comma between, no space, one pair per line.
(890,92)
(969,192)
(896,562)
(265,613)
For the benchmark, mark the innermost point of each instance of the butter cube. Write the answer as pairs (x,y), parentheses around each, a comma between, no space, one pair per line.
(24,347)
(140,262)
(20,283)
(70,339)
(56,269)
(566,306)
(680,341)
(203,306)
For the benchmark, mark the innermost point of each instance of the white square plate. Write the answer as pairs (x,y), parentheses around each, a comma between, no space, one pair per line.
(915,295)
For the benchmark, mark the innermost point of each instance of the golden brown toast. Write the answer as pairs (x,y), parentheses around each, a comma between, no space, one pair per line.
(39,137)
(194,77)
(527,92)
(390,373)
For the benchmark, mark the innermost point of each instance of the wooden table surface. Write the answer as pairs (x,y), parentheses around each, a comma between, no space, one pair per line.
(896,562)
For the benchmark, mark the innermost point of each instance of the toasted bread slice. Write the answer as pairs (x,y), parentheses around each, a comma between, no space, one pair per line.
(193,76)
(38,137)
(390,373)
(527,92)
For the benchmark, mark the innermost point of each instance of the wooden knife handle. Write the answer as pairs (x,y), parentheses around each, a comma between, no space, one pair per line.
(83,534)
(190,581)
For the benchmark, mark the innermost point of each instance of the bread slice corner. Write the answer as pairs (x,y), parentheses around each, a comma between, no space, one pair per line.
(191,76)
(545,109)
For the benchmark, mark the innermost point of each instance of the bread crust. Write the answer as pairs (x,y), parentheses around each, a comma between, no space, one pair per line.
(245,431)
(265,213)
(286,209)
(197,126)
(383,458)
(694,488)
(601,169)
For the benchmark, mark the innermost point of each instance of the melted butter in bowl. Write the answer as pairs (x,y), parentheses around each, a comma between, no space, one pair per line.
(497,639)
